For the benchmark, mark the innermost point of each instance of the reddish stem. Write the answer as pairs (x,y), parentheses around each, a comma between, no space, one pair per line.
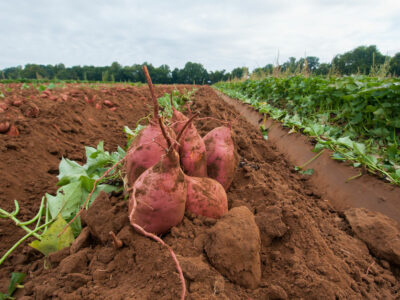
(185,126)
(153,94)
(166,136)
(157,239)
(189,110)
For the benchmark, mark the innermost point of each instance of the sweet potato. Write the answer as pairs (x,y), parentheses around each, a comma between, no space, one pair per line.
(178,119)
(159,193)
(148,147)
(192,151)
(222,158)
(206,197)
(145,151)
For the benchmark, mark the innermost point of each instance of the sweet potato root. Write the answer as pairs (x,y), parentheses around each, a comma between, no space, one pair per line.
(206,197)
(222,158)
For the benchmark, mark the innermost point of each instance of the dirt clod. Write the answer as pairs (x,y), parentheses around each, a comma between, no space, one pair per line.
(380,233)
(275,292)
(233,247)
(271,225)
(74,263)
(81,241)
(96,215)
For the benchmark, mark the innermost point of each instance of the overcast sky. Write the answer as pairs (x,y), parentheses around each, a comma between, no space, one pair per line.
(219,34)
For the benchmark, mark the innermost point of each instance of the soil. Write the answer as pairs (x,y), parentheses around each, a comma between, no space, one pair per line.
(307,249)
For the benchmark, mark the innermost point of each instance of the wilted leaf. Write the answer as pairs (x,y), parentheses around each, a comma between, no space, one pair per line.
(50,241)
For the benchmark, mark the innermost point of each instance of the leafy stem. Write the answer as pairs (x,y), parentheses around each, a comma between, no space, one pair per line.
(30,233)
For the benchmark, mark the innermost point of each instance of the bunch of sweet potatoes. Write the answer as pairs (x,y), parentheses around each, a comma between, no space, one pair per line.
(171,168)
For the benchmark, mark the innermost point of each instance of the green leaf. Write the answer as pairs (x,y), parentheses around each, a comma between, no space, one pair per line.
(132,134)
(318,147)
(70,171)
(50,241)
(380,131)
(359,147)
(67,202)
(346,141)
(128,131)
(338,156)
(41,88)
(16,279)
(98,160)
(379,112)
(307,172)
(51,86)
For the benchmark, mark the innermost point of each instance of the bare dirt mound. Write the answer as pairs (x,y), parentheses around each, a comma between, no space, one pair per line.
(306,249)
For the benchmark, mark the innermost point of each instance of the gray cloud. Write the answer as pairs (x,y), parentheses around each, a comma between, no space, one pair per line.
(219,34)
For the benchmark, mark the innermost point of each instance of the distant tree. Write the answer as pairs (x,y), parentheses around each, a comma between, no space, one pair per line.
(289,66)
(358,60)
(78,73)
(239,72)
(162,74)
(313,63)
(217,76)
(33,71)
(115,71)
(13,72)
(395,64)
(323,69)
(193,73)
(176,76)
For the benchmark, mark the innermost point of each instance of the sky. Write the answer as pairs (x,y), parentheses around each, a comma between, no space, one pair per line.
(219,34)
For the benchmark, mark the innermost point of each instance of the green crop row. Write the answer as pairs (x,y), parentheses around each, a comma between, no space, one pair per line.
(357,117)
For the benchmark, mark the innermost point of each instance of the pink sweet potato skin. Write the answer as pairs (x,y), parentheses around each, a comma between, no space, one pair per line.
(148,151)
(206,197)
(192,151)
(161,193)
(222,158)
(178,120)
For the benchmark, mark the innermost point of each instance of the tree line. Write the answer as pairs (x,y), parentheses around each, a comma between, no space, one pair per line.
(366,60)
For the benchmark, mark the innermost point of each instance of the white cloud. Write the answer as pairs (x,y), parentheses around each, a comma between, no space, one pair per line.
(219,34)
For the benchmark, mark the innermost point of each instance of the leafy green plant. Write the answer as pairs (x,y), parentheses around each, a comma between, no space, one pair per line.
(76,183)
(178,99)
(132,134)
(15,282)
(357,117)
(25,86)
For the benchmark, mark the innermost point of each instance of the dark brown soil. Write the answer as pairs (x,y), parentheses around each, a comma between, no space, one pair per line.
(308,249)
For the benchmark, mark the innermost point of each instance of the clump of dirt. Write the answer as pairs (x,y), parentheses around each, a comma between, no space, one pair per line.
(307,250)
(380,233)
(233,247)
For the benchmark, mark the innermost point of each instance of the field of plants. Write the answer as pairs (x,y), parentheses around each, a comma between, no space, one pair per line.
(358,117)
(142,174)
